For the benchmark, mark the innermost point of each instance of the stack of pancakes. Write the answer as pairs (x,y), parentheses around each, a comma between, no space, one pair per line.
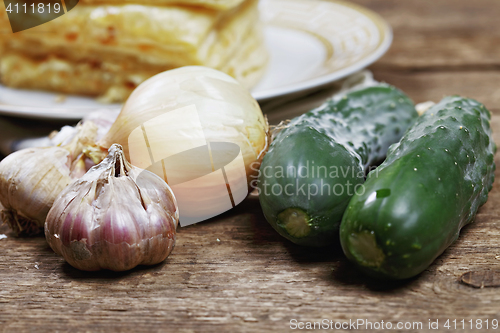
(106,48)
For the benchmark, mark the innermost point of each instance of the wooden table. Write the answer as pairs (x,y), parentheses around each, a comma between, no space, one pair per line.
(234,273)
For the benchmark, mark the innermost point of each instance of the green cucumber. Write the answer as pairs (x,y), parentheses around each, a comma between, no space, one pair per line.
(431,185)
(315,165)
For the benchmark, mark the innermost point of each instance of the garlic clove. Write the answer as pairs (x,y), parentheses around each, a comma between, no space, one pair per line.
(115,217)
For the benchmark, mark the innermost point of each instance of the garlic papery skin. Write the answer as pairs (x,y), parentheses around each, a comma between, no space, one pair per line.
(177,123)
(32,178)
(115,217)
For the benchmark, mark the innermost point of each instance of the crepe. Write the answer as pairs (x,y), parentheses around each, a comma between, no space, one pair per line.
(215,4)
(114,82)
(107,50)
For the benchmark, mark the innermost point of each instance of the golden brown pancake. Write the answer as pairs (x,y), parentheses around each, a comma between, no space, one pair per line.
(107,50)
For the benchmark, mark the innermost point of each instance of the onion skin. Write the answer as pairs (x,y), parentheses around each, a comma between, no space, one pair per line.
(208,89)
(227,113)
(115,217)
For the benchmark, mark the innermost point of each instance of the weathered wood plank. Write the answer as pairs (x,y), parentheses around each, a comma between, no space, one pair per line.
(250,280)
(420,86)
(425,86)
(441,34)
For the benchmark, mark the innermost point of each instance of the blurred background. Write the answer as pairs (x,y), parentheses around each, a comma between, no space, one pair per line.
(442,47)
(439,48)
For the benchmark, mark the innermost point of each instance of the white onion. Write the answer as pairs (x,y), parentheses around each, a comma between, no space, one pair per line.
(187,108)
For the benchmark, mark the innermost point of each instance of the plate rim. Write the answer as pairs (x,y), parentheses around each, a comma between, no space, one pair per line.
(48,113)
(323,80)
(72,113)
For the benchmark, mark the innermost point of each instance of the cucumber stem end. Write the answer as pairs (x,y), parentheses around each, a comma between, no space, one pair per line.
(295,221)
(363,246)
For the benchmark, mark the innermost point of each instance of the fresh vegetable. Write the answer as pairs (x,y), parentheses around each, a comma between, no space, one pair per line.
(318,161)
(187,123)
(115,217)
(431,185)
(32,178)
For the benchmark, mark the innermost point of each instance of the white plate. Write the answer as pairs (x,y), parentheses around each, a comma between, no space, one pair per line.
(311,43)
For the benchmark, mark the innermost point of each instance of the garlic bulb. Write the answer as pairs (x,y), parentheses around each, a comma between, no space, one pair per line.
(32,178)
(115,217)
(199,130)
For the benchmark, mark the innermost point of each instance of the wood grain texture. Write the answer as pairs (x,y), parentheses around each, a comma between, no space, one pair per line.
(234,273)
(440,35)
